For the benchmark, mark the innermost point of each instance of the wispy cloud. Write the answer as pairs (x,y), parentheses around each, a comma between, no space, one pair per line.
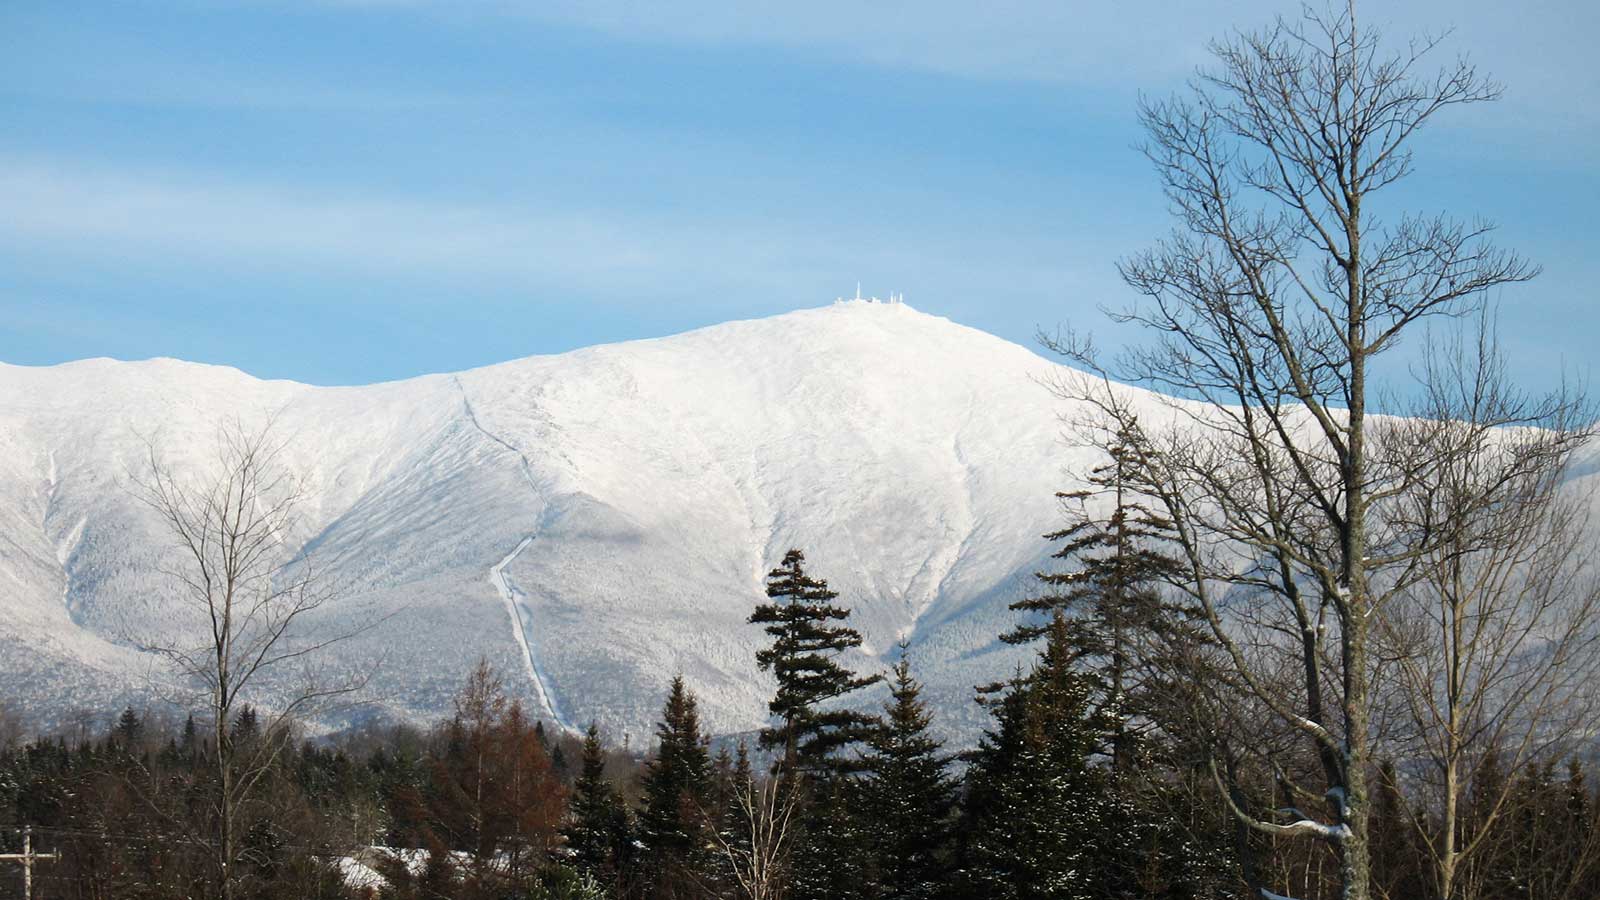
(91,210)
(95,212)
(1543,55)
(217,91)
(1015,39)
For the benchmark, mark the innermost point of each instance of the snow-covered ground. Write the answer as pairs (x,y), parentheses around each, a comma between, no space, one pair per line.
(592,522)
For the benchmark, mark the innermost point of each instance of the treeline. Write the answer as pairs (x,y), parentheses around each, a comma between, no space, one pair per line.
(1093,781)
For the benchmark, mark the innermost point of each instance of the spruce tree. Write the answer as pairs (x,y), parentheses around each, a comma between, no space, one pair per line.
(1579,835)
(1039,821)
(189,746)
(673,825)
(808,636)
(832,855)
(246,727)
(129,729)
(742,773)
(599,832)
(909,796)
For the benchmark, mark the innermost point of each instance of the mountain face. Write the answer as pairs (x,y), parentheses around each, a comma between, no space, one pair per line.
(591,523)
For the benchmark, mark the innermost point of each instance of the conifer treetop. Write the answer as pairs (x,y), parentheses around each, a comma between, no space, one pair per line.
(808,635)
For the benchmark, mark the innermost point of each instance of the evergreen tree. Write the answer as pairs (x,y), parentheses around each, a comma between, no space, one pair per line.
(1578,836)
(1039,821)
(739,780)
(129,729)
(1124,630)
(808,635)
(742,773)
(832,856)
(1489,788)
(246,727)
(562,883)
(559,764)
(1397,865)
(599,832)
(677,791)
(909,797)
(189,745)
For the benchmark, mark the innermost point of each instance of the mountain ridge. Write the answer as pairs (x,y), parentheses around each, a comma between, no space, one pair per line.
(594,521)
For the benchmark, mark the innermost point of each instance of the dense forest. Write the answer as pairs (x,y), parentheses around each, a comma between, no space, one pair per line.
(1089,783)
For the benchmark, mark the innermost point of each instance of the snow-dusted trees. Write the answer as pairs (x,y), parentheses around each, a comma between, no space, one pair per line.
(910,797)
(1038,820)
(1284,282)
(248,597)
(599,831)
(762,822)
(676,824)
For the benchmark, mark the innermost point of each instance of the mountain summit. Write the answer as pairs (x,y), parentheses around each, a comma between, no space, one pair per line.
(592,522)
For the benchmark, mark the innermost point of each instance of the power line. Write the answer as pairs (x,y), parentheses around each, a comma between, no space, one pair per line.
(27,858)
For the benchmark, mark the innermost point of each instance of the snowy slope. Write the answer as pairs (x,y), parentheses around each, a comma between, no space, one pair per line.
(592,522)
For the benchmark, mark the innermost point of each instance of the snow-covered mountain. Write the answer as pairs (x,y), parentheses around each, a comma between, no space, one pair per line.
(592,522)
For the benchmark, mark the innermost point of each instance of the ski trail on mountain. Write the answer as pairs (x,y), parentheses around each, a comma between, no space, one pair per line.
(68,544)
(962,522)
(516,602)
(521,623)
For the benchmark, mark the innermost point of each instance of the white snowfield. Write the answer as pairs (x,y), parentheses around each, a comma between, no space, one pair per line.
(592,523)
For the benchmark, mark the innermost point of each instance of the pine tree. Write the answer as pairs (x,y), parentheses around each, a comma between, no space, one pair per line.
(909,796)
(559,764)
(808,635)
(742,773)
(1124,630)
(1039,821)
(677,790)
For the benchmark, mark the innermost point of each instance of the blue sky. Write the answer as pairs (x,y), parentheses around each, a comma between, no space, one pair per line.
(344,192)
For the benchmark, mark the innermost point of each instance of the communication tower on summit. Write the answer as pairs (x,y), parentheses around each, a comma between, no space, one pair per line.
(895,297)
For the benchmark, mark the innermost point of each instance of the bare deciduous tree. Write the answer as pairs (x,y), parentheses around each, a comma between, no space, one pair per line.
(250,596)
(1491,652)
(765,813)
(1272,302)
